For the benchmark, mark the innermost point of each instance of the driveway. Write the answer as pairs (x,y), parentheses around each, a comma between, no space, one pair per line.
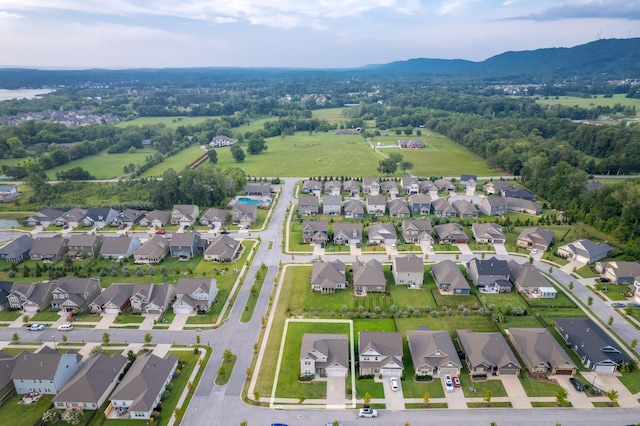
(393,399)
(464,249)
(577,399)
(318,250)
(455,399)
(355,251)
(517,395)
(607,382)
(336,393)
(500,249)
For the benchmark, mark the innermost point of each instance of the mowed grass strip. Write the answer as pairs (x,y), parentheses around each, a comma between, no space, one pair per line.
(104,165)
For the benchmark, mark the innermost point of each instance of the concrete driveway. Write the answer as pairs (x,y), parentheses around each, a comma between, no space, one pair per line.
(500,249)
(455,399)
(464,249)
(517,395)
(393,399)
(336,393)
(577,399)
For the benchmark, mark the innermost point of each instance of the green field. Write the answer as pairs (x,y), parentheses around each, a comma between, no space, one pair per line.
(105,165)
(591,102)
(178,161)
(170,122)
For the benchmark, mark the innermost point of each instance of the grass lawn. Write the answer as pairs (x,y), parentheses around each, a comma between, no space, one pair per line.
(561,301)
(495,386)
(414,406)
(128,318)
(45,316)
(549,404)
(24,414)
(375,389)
(413,389)
(104,165)
(13,352)
(631,381)
(501,300)
(171,122)
(9,315)
(590,102)
(225,370)
(253,294)
(605,404)
(616,292)
(332,115)
(492,405)
(538,388)
(178,161)
(587,271)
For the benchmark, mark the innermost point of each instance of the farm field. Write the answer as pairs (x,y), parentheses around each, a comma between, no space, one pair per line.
(105,165)
(171,122)
(591,102)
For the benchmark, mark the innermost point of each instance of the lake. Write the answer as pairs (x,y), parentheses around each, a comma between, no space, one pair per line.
(6,95)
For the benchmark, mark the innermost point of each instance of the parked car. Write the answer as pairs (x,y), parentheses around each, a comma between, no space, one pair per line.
(448,383)
(185,227)
(534,251)
(35,327)
(368,412)
(65,327)
(161,232)
(576,384)
(633,305)
(278,424)
(617,305)
(603,280)
(314,259)
(65,227)
(224,231)
(456,382)
(395,384)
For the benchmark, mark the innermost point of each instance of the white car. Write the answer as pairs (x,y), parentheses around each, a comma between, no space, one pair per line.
(448,383)
(65,327)
(534,251)
(35,327)
(368,412)
(395,384)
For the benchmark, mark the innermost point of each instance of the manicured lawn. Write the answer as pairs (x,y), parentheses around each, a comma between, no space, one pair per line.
(495,386)
(9,315)
(587,271)
(631,381)
(225,370)
(45,316)
(501,301)
(128,318)
(254,293)
(562,300)
(375,389)
(178,161)
(13,351)
(413,389)
(414,406)
(171,122)
(616,291)
(549,404)
(538,388)
(493,405)
(605,404)
(24,414)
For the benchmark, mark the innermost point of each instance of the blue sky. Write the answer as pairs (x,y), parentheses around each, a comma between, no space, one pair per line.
(295,33)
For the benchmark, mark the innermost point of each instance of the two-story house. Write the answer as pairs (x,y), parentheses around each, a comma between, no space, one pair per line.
(244,214)
(410,185)
(185,245)
(74,294)
(368,277)
(48,249)
(420,204)
(332,205)
(398,208)
(17,250)
(45,372)
(389,187)
(442,208)
(184,214)
(371,186)
(347,233)
(494,206)
(351,188)
(114,300)
(324,355)
(353,209)
(408,270)
(316,232)
(31,297)
(417,231)
(83,246)
(485,272)
(119,247)
(376,204)
(307,205)
(214,218)
(382,233)
(433,353)
(332,187)
(327,277)
(380,353)
(152,298)
(194,295)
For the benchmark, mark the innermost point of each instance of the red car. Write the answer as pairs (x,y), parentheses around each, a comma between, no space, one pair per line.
(456,382)
(160,232)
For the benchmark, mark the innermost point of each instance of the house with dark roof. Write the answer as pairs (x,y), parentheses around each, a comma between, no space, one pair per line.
(535,238)
(584,251)
(541,353)
(493,206)
(7,363)
(119,247)
(156,219)
(468,180)
(351,188)
(452,233)
(82,246)
(442,208)
(496,187)
(324,355)
(98,216)
(327,277)
(194,295)
(521,193)
(139,392)
(115,299)
(332,205)
(420,204)
(128,217)
(488,233)
(449,279)
(485,272)
(44,217)
(488,353)
(376,204)
(223,248)
(262,189)
(72,217)
(307,205)
(529,281)
(184,214)
(311,187)
(411,144)
(5,291)
(152,298)
(410,185)
(353,209)
(332,187)
(347,233)
(389,187)
(382,233)
(433,353)
(408,270)
(465,209)
(596,350)
(184,245)
(371,186)
(9,193)
(519,205)
(591,185)
(71,294)
(380,353)
(45,372)
(31,297)
(152,251)
(426,186)
(398,208)
(619,272)
(17,250)
(417,231)
(368,277)
(316,232)
(214,217)
(89,388)
(48,249)
(244,214)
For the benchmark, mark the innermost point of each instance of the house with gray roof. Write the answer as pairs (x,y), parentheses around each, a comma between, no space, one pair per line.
(151,298)
(244,214)
(468,180)
(465,209)
(128,217)
(382,233)
(535,238)
(442,208)
(376,204)
(194,295)
(115,299)
(493,206)
(82,246)
(540,352)
(596,350)
(307,205)
(44,217)
(420,204)
(433,353)
(426,186)
(184,214)
(214,217)
(496,187)
(371,186)
(351,188)
(9,193)
(449,279)
(17,250)
(417,231)
(311,187)
(485,272)
(521,193)
(389,187)
(347,233)
(368,277)
(45,372)
(380,353)
(71,294)
(398,208)
(5,291)
(31,297)
(488,233)
(584,251)
(48,249)
(488,353)
(139,392)
(619,272)
(528,280)
(119,247)
(156,219)
(591,185)
(410,185)
(72,217)
(99,216)
(324,355)
(316,232)
(408,270)
(185,245)
(452,233)
(520,205)
(223,248)
(444,185)
(7,363)
(332,187)
(152,251)
(353,209)
(332,205)
(89,388)
(327,277)
(262,189)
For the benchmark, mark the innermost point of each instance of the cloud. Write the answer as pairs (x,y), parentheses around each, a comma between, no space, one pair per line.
(9,15)
(607,9)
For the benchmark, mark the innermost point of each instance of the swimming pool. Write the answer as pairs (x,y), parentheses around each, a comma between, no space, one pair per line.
(245,200)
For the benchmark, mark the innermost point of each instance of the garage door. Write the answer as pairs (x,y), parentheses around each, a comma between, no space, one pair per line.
(391,373)
(449,371)
(604,369)
(112,311)
(561,372)
(508,371)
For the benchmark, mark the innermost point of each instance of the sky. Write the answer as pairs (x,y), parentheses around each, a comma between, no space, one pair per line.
(78,34)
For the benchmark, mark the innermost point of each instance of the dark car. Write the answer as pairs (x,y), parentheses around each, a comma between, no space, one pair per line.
(603,280)
(633,305)
(224,231)
(617,305)
(576,384)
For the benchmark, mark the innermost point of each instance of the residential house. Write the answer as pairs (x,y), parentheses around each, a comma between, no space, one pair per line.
(382,233)
(74,294)
(411,144)
(584,251)
(380,353)
(128,217)
(332,187)
(420,204)
(220,141)
(262,189)
(596,350)
(214,218)
(184,214)
(465,209)
(244,214)
(152,298)
(324,355)
(444,185)
(353,209)
(408,270)
(307,205)
(194,295)
(351,188)
(152,251)
(48,249)
(185,245)
(119,247)
(71,218)
(17,250)
(222,249)
(44,217)
(7,364)
(496,187)
(312,187)
(332,205)
(619,272)
(433,353)
(45,372)
(89,388)
(398,208)
(426,186)
(541,353)
(347,233)
(368,277)
(327,277)
(452,233)
(140,391)
(316,232)
(488,354)
(468,181)
(389,187)
(376,204)
(519,205)
(488,233)
(371,186)
(449,278)
(529,281)
(493,206)
(535,238)
(410,185)
(9,193)
(156,219)
(417,231)
(5,291)
(115,299)
(98,216)
(485,272)
(442,208)
(84,245)
(521,193)
(31,297)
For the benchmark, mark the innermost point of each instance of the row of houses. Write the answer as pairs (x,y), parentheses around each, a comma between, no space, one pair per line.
(492,275)
(434,354)
(188,296)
